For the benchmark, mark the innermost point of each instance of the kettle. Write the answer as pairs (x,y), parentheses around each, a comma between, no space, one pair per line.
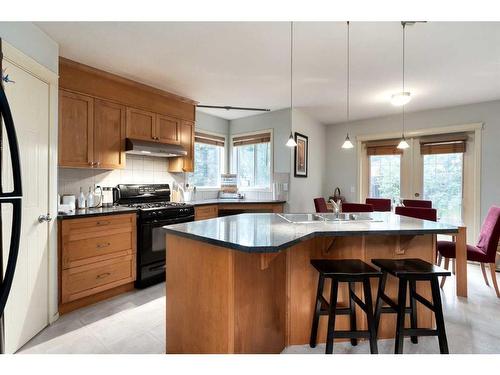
(107,196)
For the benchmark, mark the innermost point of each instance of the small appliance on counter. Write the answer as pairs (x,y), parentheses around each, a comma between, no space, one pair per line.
(108,196)
(229,187)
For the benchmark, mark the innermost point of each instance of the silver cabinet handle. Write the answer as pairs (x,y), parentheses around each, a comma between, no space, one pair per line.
(44,218)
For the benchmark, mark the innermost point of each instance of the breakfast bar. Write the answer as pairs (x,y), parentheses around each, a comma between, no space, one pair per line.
(244,283)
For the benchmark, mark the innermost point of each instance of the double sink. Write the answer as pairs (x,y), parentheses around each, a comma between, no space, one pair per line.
(326,217)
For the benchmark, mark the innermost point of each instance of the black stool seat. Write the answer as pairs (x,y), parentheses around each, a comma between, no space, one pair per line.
(350,271)
(344,268)
(409,271)
(410,267)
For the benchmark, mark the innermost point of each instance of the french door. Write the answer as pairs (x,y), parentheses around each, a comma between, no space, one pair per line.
(437,168)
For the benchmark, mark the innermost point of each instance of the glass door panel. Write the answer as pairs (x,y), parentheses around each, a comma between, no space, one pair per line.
(385,176)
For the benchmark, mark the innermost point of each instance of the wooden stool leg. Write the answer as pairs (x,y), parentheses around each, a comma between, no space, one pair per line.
(439,260)
(315,322)
(446,266)
(379,302)
(331,316)
(352,315)
(413,306)
(494,278)
(436,301)
(483,270)
(400,321)
(369,316)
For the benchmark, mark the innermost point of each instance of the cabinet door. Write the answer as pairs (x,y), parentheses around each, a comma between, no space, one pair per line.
(167,129)
(141,124)
(109,135)
(76,127)
(186,163)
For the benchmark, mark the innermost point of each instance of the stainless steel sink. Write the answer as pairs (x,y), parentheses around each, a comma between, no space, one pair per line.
(325,217)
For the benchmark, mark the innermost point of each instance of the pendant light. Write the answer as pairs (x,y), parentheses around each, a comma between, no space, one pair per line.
(403,144)
(291,142)
(347,142)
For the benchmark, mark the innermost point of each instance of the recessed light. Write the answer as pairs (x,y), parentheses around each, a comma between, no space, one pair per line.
(401,98)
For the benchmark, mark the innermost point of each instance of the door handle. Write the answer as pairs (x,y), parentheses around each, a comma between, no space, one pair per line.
(417,195)
(44,218)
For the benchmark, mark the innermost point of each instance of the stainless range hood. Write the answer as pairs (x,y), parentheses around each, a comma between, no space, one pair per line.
(150,148)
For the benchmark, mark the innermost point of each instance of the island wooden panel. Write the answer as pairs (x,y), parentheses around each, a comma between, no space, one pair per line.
(225,301)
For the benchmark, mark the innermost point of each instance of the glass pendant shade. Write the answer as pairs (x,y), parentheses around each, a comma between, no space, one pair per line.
(403,144)
(347,143)
(291,142)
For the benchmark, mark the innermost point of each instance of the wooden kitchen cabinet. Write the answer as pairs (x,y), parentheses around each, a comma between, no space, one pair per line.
(109,135)
(167,129)
(185,163)
(97,259)
(141,124)
(76,130)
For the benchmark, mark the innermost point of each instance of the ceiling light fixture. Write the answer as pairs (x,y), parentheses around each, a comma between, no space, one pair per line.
(291,142)
(401,98)
(347,142)
(403,144)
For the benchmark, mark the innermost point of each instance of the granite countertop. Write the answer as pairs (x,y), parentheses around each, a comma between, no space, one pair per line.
(261,233)
(89,212)
(232,201)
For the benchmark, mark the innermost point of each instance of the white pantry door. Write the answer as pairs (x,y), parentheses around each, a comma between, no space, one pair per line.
(26,312)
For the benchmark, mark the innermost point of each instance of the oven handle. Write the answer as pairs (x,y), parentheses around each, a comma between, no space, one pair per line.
(185,219)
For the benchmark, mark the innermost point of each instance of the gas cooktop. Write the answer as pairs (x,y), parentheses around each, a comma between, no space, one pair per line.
(156,205)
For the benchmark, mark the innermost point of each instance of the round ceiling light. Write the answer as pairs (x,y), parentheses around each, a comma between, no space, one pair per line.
(401,98)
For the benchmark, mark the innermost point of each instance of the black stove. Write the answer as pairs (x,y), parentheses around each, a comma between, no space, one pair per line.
(155,210)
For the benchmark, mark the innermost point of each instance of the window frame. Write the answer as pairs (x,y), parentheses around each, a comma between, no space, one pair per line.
(223,164)
(234,159)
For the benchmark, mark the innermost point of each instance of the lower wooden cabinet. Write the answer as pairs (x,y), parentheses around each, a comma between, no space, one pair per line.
(206,212)
(97,258)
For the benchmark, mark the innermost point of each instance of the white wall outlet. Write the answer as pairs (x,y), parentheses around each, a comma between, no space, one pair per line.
(285,186)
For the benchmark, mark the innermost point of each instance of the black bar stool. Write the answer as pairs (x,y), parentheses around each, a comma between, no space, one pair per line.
(350,271)
(409,271)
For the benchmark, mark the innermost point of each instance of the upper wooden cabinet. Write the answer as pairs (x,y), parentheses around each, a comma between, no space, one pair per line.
(91,132)
(109,135)
(168,129)
(99,110)
(186,163)
(76,130)
(141,124)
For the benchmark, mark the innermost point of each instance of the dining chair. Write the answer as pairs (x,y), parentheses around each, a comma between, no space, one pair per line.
(356,207)
(485,250)
(379,204)
(417,203)
(320,205)
(418,212)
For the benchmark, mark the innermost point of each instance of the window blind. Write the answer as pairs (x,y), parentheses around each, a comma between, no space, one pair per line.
(251,139)
(209,139)
(384,147)
(443,144)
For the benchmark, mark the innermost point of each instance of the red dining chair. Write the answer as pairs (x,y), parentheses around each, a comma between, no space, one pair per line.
(320,205)
(485,250)
(356,207)
(379,204)
(418,212)
(417,203)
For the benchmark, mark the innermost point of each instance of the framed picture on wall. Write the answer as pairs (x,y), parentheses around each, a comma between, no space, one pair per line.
(301,155)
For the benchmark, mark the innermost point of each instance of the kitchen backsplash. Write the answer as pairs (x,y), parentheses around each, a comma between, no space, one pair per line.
(139,170)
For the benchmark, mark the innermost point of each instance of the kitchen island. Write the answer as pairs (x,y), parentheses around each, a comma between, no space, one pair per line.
(244,283)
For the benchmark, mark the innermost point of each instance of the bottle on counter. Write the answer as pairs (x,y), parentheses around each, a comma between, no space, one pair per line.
(81,199)
(90,198)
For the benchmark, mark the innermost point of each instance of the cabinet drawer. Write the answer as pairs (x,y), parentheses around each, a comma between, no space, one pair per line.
(78,282)
(79,229)
(206,212)
(76,253)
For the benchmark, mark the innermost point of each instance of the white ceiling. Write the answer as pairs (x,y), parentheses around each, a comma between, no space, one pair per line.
(248,64)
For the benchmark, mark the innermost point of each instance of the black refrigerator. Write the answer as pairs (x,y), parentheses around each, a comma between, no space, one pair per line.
(14,198)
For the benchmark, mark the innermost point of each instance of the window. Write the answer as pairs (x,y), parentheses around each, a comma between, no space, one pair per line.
(208,161)
(443,175)
(384,160)
(252,160)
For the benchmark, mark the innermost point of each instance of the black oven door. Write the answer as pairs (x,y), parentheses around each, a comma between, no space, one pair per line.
(151,240)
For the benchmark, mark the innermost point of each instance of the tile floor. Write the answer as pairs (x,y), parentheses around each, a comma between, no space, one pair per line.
(134,323)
